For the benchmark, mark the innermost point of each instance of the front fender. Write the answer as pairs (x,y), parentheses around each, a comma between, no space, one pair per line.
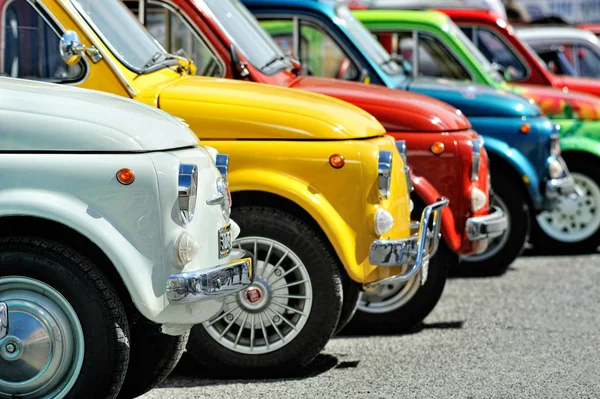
(427,192)
(520,164)
(338,231)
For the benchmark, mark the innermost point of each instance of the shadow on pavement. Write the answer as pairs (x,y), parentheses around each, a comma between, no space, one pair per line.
(375,332)
(189,374)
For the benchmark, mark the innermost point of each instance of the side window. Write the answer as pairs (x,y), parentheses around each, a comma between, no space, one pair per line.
(588,60)
(498,52)
(435,59)
(29,48)
(174,33)
(318,52)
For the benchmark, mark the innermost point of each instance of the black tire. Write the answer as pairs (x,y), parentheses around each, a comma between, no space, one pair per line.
(416,309)
(543,243)
(94,300)
(351,290)
(513,202)
(153,356)
(323,269)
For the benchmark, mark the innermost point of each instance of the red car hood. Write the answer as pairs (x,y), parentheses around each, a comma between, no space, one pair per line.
(553,101)
(396,110)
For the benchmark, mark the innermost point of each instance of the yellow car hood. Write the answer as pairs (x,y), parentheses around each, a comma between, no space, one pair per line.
(230,109)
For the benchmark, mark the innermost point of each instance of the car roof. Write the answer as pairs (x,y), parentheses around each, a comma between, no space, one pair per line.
(533,34)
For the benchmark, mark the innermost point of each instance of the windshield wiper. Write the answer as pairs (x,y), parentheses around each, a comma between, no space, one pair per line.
(273,60)
(151,62)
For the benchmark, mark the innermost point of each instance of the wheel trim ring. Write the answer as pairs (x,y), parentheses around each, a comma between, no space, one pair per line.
(497,244)
(580,234)
(61,389)
(251,243)
(405,292)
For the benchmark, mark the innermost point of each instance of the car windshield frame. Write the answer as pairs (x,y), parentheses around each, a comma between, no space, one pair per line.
(365,40)
(265,55)
(157,56)
(481,59)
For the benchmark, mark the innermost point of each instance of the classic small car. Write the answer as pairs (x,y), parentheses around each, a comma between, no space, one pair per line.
(458,169)
(527,176)
(114,241)
(438,49)
(321,194)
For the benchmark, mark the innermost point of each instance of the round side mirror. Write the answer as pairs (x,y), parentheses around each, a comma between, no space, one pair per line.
(70,48)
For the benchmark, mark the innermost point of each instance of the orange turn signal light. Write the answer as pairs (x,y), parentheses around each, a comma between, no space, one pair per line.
(437,148)
(337,161)
(125,176)
(526,128)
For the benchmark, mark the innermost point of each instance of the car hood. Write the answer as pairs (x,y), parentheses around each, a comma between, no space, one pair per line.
(40,116)
(232,109)
(474,99)
(553,101)
(396,110)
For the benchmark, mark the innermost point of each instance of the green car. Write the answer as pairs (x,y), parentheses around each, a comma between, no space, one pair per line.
(434,46)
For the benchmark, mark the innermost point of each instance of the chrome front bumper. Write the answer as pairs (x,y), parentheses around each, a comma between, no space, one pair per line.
(3,320)
(212,283)
(488,226)
(411,252)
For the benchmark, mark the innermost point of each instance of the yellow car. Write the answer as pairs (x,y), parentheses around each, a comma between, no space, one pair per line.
(320,193)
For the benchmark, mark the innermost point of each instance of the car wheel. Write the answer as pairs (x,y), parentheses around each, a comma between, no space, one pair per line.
(287,316)
(68,333)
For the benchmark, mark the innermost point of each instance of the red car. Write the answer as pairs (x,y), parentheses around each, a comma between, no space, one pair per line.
(444,153)
(520,63)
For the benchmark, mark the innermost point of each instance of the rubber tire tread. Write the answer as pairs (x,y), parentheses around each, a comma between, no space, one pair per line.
(413,313)
(324,270)
(520,219)
(95,301)
(589,245)
(153,357)
(352,291)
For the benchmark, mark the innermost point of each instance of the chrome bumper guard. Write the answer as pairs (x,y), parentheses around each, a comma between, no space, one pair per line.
(3,320)
(488,226)
(212,283)
(411,252)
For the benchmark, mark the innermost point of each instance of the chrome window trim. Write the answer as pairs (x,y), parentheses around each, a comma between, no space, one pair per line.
(509,46)
(172,7)
(44,13)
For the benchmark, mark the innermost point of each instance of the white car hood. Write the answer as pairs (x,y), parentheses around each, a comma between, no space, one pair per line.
(37,116)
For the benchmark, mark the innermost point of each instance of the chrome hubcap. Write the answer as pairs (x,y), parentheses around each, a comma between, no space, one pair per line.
(272,311)
(574,218)
(496,244)
(42,354)
(389,297)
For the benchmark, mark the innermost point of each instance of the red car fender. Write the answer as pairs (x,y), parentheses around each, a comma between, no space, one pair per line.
(428,193)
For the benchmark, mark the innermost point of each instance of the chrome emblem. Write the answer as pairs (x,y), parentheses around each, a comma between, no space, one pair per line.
(253,295)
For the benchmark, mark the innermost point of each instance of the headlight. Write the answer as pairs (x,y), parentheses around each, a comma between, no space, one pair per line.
(555,145)
(401,146)
(385,173)
(478,199)
(555,168)
(188,190)
(476,159)
(384,221)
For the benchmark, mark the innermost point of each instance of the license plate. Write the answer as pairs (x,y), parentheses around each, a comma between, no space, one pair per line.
(225,241)
(424,272)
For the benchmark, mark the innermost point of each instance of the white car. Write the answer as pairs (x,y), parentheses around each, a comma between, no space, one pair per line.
(115,239)
(565,50)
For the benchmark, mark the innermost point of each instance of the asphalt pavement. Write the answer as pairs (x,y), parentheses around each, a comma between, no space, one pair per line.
(532,333)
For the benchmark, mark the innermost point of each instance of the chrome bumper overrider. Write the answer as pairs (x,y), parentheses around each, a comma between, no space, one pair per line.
(559,187)
(3,320)
(212,283)
(488,226)
(411,252)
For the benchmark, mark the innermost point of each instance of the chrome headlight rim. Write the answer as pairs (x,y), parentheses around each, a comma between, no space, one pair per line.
(222,164)
(384,173)
(560,166)
(477,145)
(187,190)
(555,145)
(401,146)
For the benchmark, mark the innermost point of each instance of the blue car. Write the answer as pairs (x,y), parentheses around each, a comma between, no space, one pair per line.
(528,173)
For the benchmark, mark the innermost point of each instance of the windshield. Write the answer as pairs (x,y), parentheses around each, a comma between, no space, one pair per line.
(121,32)
(471,48)
(366,41)
(244,31)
